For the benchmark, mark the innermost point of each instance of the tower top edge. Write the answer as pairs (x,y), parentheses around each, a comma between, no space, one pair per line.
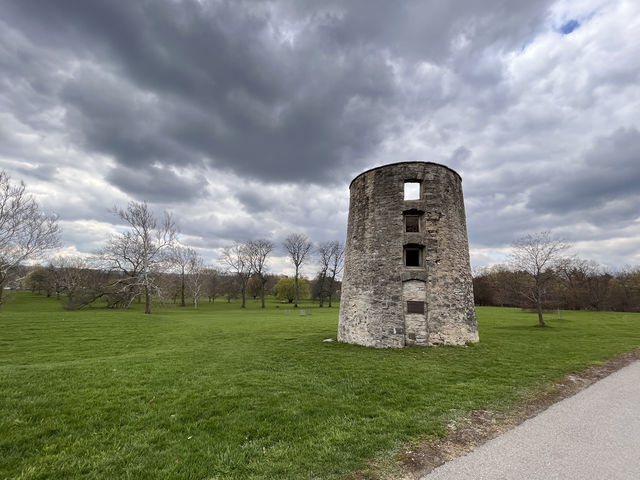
(404,163)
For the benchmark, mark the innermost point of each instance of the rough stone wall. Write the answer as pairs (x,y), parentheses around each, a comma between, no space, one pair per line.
(377,284)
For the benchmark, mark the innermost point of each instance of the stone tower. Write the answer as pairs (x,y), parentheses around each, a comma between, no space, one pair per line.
(407,276)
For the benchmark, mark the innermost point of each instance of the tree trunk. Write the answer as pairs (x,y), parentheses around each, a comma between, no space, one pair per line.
(244,295)
(331,287)
(295,289)
(540,319)
(147,300)
(262,293)
(182,304)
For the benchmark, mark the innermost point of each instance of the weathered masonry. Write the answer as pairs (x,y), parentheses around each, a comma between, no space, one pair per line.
(407,276)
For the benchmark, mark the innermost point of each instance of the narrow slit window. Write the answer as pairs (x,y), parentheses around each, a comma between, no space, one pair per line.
(412,190)
(412,223)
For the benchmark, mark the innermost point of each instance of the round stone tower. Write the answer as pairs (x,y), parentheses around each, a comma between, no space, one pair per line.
(407,276)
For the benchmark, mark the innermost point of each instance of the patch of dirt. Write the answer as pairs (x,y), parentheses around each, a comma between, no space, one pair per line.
(467,433)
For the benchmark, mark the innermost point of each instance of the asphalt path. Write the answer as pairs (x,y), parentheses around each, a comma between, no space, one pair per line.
(594,434)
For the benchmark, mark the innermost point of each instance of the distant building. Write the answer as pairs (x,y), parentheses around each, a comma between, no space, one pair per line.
(407,276)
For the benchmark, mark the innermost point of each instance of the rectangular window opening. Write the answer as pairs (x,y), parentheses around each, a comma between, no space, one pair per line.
(415,307)
(412,223)
(412,190)
(412,257)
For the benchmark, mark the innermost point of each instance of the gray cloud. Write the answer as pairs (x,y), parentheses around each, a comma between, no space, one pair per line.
(41,172)
(181,81)
(610,171)
(157,184)
(257,114)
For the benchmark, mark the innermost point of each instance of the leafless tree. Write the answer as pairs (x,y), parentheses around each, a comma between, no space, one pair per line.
(230,285)
(628,279)
(139,253)
(213,283)
(236,259)
(73,274)
(323,252)
(196,276)
(298,246)
(335,267)
(25,231)
(537,255)
(586,284)
(57,284)
(499,285)
(258,252)
(38,279)
(181,258)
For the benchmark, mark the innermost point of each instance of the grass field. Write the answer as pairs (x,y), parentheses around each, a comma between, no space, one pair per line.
(223,393)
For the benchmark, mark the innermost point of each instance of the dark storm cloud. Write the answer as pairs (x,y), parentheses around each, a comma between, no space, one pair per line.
(279,92)
(254,201)
(156,184)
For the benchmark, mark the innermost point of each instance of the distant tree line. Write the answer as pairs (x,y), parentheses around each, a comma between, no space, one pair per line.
(79,283)
(145,261)
(540,276)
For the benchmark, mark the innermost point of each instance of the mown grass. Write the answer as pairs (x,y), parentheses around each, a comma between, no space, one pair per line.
(223,393)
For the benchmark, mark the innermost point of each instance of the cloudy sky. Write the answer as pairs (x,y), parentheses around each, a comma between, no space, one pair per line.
(248,119)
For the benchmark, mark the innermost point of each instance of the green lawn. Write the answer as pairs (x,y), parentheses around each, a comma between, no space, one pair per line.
(228,393)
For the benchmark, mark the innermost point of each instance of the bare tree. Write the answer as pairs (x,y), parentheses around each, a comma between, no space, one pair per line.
(73,274)
(237,261)
(181,258)
(629,281)
(196,276)
(123,255)
(25,231)
(213,283)
(57,283)
(230,286)
(323,251)
(335,269)
(140,252)
(537,255)
(298,246)
(585,283)
(38,279)
(258,251)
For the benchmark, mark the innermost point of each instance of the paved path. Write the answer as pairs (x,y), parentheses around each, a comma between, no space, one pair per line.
(593,435)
